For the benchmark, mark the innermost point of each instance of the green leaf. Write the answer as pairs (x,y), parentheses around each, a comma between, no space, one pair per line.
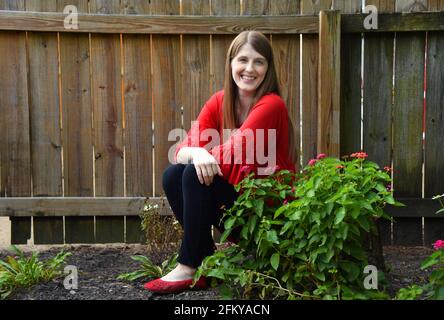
(272,236)
(340,214)
(275,260)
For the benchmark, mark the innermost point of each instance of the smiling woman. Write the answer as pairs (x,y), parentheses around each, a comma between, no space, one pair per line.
(202,181)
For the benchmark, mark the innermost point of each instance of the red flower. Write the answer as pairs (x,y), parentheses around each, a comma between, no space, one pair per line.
(285,201)
(321,156)
(439,244)
(312,162)
(339,167)
(388,169)
(359,155)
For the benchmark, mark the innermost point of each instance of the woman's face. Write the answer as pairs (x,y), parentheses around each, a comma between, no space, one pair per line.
(248,69)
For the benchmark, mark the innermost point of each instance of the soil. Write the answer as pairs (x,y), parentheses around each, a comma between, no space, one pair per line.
(99,266)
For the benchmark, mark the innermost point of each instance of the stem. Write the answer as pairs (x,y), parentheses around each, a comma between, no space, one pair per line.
(279,286)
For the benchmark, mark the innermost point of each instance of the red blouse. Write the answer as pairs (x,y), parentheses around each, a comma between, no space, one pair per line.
(248,148)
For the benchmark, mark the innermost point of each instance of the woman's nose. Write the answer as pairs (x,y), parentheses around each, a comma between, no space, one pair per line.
(249,66)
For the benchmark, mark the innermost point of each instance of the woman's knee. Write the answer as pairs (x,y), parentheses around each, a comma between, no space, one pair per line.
(189,176)
(172,176)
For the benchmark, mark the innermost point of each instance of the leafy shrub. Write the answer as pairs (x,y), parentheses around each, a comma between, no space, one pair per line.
(301,235)
(163,233)
(20,271)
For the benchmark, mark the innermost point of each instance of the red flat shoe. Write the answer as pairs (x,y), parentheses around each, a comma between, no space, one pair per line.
(163,287)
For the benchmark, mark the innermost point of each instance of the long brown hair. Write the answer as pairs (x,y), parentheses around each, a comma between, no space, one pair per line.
(270,84)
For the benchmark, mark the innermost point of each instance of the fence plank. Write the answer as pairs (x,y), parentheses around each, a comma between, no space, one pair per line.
(76,123)
(73,206)
(107,113)
(46,148)
(137,95)
(435,5)
(287,58)
(221,43)
(255,7)
(166,91)
(196,84)
(377,111)
(310,62)
(351,81)
(329,83)
(407,128)
(378,100)
(15,154)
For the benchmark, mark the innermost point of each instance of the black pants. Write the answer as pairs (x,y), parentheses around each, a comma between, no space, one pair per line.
(197,207)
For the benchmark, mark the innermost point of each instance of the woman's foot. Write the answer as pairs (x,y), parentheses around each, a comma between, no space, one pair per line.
(181,272)
(178,280)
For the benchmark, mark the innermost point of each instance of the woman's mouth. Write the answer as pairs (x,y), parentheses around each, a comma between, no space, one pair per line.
(247,78)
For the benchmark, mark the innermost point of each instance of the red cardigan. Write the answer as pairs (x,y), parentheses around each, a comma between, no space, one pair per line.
(269,112)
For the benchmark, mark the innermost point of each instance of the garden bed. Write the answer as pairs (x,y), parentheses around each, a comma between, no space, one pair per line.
(99,266)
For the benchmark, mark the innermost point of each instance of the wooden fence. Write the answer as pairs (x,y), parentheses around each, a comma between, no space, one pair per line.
(85,113)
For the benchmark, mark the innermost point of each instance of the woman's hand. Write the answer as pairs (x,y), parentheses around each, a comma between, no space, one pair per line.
(206,166)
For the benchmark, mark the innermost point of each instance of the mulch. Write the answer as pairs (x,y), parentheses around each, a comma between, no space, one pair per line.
(100,265)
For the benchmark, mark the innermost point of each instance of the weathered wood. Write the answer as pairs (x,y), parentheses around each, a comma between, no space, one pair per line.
(433,230)
(110,229)
(73,206)
(255,7)
(435,5)
(77,137)
(310,7)
(407,232)
(46,144)
(20,230)
(287,58)
(49,230)
(427,21)
(160,24)
(378,105)
(408,112)
(79,230)
(329,83)
(137,96)
(415,207)
(15,152)
(221,43)
(411,5)
(310,62)
(106,83)
(166,62)
(285,7)
(434,125)
(134,232)
(196,84)
(350,95)
(382,5)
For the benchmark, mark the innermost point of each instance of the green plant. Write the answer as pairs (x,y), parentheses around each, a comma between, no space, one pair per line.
(301,235)
(20,271)
(149,269)
(163,233)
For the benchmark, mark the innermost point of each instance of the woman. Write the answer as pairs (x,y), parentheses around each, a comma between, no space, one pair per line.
(201,184)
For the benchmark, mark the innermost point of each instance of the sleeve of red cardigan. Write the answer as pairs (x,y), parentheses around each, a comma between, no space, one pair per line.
(238,156)
(204,130)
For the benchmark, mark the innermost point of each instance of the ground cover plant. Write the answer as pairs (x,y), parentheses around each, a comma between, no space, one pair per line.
(21,271)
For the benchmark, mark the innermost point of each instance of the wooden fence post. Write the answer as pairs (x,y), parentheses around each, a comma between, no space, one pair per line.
(329,82)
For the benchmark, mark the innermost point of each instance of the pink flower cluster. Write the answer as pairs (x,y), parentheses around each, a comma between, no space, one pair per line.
(439,244)
(360,155)
(318,157)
